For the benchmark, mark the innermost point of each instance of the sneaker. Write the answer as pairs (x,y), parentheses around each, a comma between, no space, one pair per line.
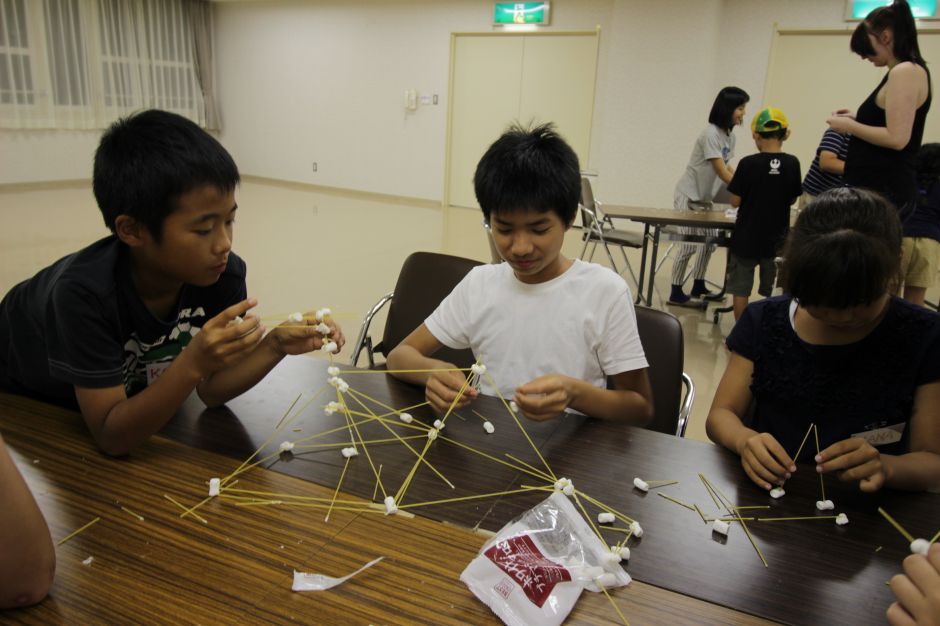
(676,297)
(699,290)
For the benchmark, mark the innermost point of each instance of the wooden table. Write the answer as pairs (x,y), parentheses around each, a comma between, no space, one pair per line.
(817,573)
(655,220)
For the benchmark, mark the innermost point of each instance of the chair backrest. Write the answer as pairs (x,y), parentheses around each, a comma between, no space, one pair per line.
(588,221)
(661,336)
(426,278)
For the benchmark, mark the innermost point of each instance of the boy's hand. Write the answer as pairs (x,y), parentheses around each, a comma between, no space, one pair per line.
(765,461)
(853,459)
(443,386)
(224,341)
(917,591)
(301,337)
(545,397)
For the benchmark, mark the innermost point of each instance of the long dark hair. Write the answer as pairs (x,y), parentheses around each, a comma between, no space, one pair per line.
(843,251)
(900,20)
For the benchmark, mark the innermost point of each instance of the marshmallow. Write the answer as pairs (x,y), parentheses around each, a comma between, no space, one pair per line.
(565,486)
(215,486)
(592,571)
(606,580)
(238,319)
(625,553)
(332,408)
(824,505)
(323,329)
(637,529)
(406,417)
(842,519)
(438,424)
(350,451)
(332,370)
(478,368)
(432,434)
(641,484)
(513,406)
(777,492)
(605,518)
(568,490)
(721,527)
(321,313)
(390,507)
(920,546)
(613,556)
(488,427)
(343,386)
(330,346)
(333,380)
(297,316)
(286,446)
(88,561)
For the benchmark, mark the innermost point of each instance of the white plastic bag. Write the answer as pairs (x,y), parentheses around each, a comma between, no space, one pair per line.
(534,569)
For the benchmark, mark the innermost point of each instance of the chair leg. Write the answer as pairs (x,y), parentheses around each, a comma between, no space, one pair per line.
(629,267)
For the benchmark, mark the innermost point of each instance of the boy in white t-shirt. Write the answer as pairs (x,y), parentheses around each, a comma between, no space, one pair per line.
(550,330)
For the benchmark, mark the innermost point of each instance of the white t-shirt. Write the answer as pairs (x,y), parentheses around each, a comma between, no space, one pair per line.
(699,180)
(580,324)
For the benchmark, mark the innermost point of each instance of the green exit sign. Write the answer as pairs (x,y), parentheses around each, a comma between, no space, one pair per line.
(921,9)
(521,13)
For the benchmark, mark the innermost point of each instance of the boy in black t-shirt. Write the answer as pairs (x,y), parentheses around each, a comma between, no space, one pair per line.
(105,328)
(763,187)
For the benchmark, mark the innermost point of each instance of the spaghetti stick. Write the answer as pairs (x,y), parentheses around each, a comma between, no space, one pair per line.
(790,519)
(676,500)
(534,469)
(75,532)
(128,511)
(336,493)
(588,517)
(601,505)
(287,412)
(524,431)
(480,415)
(193,513)
(377,477)
(730,507)
(263,445)
(494,494)
(756,506)
(616,608)
(805,437)
(490,457)
(900,529)
(709,490)
(653,484)
(822,487)
(935,537)
(700,514)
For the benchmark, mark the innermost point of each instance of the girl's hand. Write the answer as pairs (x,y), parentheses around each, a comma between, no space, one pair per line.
(765,461)
(917,591)
(853,459)
(443,387)
(841,123)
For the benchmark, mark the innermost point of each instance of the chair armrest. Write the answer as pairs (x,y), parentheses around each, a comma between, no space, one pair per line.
(362,339)
(686,408)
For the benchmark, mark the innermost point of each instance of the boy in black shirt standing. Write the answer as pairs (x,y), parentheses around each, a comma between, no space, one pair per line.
(763,187)
(106,327)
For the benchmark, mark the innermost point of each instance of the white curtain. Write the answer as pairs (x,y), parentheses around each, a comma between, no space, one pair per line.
(82,63)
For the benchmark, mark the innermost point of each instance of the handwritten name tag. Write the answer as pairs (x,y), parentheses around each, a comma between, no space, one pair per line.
(154,370)
(882,436)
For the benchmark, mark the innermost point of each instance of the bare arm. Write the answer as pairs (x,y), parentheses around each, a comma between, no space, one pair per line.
(724,172)
(856,460)
(907,84)
(27,565)
(734,200)
(831,163)
(119,424)
(414,353)
(763,458)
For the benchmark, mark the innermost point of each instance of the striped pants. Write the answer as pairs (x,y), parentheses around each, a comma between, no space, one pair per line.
(686,250)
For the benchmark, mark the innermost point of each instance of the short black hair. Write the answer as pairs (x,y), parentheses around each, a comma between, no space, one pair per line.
(727,100)
(777,133)
(898,17)
(147,160)
(927,166)
(529,169)
(844,250)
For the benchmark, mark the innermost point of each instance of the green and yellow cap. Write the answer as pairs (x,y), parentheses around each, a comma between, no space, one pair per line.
(769,120)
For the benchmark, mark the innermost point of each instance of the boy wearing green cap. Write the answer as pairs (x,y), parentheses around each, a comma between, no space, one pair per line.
(763,188)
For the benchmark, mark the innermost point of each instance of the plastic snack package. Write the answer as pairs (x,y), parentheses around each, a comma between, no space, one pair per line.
(534,569)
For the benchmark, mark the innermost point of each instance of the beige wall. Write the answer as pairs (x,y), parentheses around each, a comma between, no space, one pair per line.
(322,80)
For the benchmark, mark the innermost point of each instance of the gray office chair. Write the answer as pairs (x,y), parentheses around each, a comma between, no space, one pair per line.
(424,281)
(599,230)
(662,339)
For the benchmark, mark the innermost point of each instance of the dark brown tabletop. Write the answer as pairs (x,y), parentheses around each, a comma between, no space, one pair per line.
(817,572)
(670,217)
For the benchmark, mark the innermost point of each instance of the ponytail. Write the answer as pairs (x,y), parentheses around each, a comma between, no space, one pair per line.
(900,20)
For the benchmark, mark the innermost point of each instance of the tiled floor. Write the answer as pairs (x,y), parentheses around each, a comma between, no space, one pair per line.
(309,248)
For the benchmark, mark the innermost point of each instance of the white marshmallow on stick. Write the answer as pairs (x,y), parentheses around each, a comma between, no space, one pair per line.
(350,452)
(637,529)
(920,546)
(488,427)
(286,446)
(406,417)
(721,527)
(825,505)
(215,486)
(641,484)
(332,370)
(296,317)
(605,518)
(777,492)
(842,519)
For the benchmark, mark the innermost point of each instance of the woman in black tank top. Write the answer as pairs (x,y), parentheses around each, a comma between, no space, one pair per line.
(888,128)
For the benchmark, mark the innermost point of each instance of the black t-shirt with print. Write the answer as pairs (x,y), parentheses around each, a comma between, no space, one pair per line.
(80,322)
(768,183)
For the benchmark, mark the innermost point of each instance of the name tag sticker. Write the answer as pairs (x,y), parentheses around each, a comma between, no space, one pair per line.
(883,436)
(154,370)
